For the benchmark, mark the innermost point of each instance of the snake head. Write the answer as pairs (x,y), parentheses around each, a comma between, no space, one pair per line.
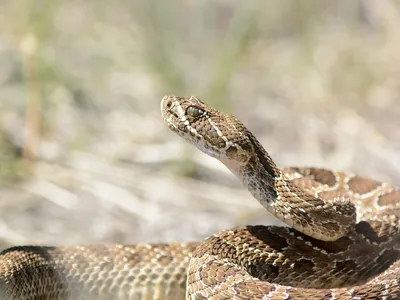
(217,134)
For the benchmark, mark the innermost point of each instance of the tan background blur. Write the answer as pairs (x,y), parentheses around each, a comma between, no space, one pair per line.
(81,81)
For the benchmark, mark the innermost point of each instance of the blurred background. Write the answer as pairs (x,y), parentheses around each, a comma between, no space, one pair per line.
(85,156)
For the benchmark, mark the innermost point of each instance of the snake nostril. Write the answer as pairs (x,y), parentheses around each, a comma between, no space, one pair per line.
(166,103)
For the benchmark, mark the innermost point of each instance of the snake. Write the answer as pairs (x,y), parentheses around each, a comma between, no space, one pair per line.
(341,239)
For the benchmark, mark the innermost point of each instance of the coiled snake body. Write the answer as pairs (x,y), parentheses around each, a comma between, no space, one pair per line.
(344,240)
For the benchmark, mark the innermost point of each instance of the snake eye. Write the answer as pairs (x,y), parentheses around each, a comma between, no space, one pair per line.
(194,112)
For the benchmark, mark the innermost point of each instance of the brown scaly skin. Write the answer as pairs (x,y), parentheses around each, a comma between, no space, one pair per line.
(95,272)
(335,257)
(224,137)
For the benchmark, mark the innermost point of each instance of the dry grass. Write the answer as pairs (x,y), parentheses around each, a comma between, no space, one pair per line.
(81,81)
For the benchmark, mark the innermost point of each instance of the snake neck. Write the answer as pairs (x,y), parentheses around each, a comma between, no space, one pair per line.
(289,203)
(258,174)
(260,183)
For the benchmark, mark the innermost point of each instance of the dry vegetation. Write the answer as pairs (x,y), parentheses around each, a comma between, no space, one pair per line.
(80,84)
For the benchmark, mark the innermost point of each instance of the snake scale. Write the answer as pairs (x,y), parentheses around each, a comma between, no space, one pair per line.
(343,241)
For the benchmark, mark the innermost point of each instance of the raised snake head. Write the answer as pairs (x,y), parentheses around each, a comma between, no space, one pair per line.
(216,133)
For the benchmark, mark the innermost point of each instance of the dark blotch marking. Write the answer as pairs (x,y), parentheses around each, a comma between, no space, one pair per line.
(323,176)
(366,230)
(266,272)
(346,266)
(361,185)
(389,198)
(274,241)
(303,265)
